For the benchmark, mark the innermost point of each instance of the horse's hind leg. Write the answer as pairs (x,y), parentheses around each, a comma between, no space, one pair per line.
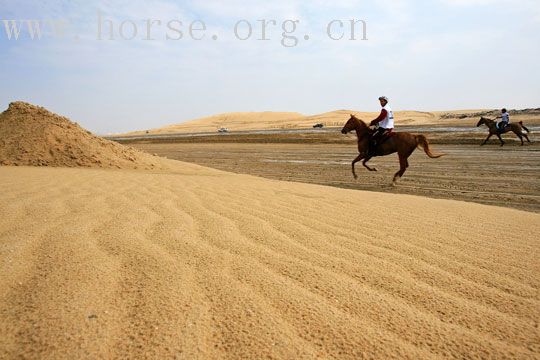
(520,136)
(366,166)
(526,137)
(403,165)
(500,139)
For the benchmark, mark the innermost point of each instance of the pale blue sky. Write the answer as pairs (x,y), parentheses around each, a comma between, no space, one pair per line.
(425,55)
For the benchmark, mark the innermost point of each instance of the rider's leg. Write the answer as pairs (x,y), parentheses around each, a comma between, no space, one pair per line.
(373,142)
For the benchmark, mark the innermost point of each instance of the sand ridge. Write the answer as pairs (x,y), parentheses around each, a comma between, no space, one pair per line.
(197,263)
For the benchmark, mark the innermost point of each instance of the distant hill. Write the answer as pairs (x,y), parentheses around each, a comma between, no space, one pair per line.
(245,121)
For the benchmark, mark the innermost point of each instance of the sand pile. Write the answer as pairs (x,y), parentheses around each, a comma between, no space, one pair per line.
(32,135)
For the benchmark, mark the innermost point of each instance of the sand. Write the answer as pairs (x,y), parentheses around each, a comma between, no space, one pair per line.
(32,135)
(195,263)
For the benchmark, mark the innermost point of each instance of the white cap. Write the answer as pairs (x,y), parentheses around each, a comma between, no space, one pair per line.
(383,98)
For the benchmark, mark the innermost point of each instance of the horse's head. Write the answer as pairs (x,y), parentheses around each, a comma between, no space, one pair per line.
(350,125)
(481,121)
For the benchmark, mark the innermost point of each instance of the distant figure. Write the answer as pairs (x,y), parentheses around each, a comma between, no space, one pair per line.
(516,128)
(384,125)
(505,120)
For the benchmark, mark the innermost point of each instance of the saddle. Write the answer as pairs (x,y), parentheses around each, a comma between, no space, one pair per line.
(502,126)
(381,139)
(378,139)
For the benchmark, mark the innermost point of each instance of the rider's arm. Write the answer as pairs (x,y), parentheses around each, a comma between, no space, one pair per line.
(381,117)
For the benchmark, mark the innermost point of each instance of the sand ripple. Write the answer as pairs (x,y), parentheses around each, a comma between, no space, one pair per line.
(204,264)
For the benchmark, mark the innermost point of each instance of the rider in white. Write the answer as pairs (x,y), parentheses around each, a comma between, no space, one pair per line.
(505,119)
(384,124)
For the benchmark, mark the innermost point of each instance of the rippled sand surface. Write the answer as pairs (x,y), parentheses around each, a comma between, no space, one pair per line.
(201,264)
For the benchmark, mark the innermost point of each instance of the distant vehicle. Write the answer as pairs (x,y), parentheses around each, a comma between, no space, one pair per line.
(223,130)
(318,126)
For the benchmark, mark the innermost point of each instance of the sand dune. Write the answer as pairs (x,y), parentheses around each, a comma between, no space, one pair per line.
(197,263)
(232,121)
(278,120)
(275,120)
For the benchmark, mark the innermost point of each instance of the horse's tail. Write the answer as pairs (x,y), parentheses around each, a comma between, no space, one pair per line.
(422,141)
(523,126)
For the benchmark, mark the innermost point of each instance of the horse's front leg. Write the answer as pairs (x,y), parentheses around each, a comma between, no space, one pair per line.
(366,166)
(500,139)
(358,158)
(485,141)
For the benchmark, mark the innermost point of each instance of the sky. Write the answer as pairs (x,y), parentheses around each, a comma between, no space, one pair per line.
(423,55)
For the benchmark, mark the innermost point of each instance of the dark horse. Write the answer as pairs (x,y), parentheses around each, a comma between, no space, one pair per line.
(403,143)
(516,128)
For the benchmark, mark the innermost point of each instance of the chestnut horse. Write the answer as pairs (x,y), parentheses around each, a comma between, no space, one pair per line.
(402,142)
(516,128)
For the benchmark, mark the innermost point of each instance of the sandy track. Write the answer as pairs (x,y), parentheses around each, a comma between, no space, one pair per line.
(205,264)
(488,175)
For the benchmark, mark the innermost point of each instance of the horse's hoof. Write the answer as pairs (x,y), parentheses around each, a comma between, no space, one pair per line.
(373,169)
(355,177)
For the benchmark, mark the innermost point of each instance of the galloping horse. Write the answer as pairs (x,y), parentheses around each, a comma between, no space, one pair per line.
(402,142)
(516,128)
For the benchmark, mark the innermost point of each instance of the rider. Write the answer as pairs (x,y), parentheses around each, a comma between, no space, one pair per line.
(505,120)
(384,123)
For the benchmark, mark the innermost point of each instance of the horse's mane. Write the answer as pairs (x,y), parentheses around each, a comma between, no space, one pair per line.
(359,120)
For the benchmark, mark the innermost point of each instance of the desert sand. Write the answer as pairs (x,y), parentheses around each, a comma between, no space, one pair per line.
(100,260)
(197,263)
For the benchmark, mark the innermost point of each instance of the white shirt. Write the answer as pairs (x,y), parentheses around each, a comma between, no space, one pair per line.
(505,117)
(388,122)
